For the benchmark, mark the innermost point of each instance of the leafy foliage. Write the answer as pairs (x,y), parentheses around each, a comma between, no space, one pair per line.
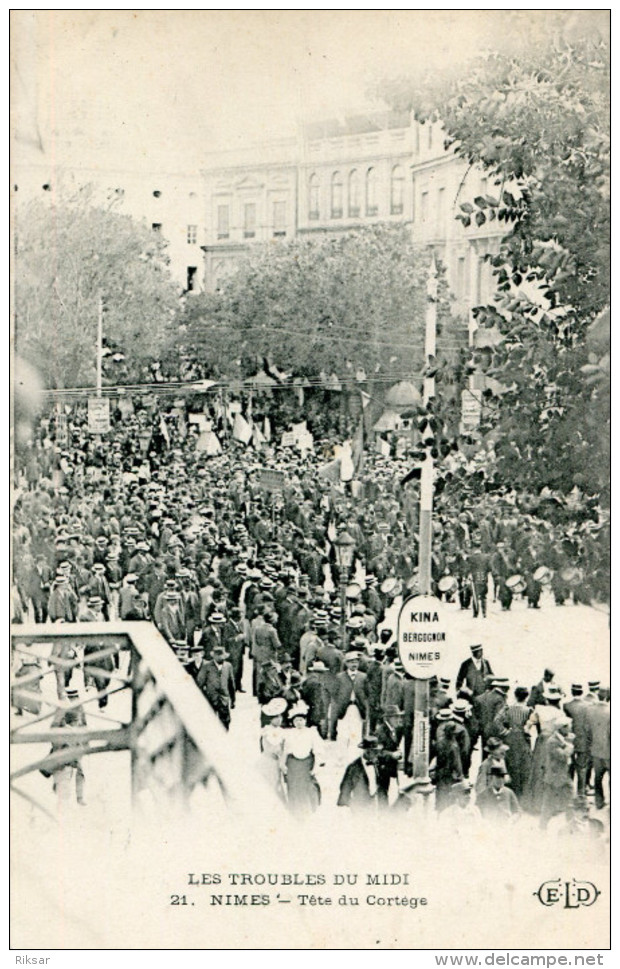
(357,300)
(538,124)
(67,254)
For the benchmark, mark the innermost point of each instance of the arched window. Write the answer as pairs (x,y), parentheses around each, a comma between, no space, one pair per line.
(397,191)
(336,206)
(314,189)
(372,192)
(354,193)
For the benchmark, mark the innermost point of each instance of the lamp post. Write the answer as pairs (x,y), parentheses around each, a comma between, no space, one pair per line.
(345,547)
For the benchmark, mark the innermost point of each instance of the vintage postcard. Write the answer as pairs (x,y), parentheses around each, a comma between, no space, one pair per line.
(310,635)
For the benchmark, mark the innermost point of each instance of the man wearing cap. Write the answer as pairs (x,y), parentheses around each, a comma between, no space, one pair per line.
(196,659)
(460,711)
(98,586)
(473,671)
(374,676)
(577,710)
(495,751)
(314,692)
(371,598)
(211,637)
(298,620)
(460,810)
(309,645)
(103,663)
(169,616)
(266,643)
(65,772)
(537,694)
(270,683)
(599,743)
(490,703)
(329,654)
(216,680)
(390,736)
(92,611)
(497,802)
(479,567)
(358,788)
(63,603)
(439,697)
(350,699)
(191,603)
(131,605)
(234,641)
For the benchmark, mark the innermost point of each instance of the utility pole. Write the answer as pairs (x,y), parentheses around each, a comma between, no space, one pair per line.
(420,746)
(99,344)
(426,482)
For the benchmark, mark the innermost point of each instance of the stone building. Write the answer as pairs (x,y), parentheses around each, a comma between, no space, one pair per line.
(340,175)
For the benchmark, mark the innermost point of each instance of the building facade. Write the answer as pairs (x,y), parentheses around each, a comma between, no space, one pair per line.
(170,203)
(339,176)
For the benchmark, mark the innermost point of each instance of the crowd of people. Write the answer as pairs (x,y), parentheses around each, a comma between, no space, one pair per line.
(141,525)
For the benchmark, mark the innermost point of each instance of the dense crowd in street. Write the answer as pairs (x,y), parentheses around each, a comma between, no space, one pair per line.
(143,525)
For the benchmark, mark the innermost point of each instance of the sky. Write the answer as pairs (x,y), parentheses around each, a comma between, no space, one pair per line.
(156,90)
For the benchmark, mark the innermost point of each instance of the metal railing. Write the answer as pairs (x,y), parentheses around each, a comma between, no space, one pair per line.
(93,688)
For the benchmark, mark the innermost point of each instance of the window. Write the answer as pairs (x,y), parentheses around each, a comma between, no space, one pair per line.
(372,204)
(279,218)
(460,277)
(223,222)
(430,136)
(397,191)
(441,208)
(354,194)
(156,226)
(479,281)
(314,209)
(336,207)
(192,235)
(424,207)
(249,220)
(191,278)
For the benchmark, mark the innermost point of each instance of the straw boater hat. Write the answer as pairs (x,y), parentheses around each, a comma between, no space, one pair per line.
(275,707)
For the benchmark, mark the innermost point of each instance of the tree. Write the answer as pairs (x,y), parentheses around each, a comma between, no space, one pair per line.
(70,252)
(332,304)
(538,123)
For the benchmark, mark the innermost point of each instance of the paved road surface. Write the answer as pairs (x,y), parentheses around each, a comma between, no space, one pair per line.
(573,640)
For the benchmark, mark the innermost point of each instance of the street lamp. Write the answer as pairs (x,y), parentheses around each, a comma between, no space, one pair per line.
(345,547)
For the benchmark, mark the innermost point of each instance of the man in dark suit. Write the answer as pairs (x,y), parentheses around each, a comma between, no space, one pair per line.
(473,671)
(389,735)
(332,658)
(358,788)
(351,690)
(537,693)
(498,802)
(599,743)
(217,682)
(577,710)
(233,640)
(314,693)
(489,704)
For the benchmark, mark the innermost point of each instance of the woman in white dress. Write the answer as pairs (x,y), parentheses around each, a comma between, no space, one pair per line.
(545,718)
(302,750)
(271,743)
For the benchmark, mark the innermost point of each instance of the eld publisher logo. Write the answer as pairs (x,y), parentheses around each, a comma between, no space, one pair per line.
(571,894)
